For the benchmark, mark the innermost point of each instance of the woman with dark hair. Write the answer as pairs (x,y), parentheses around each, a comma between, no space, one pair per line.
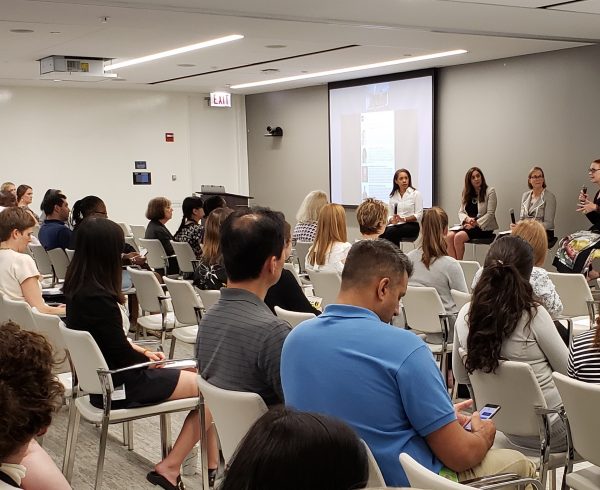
(405,209)
(210,273)
(160,211)
(191,230)
(477,213)
(504,322)
(291,450)
(212,203)
(95,304)
(25,198)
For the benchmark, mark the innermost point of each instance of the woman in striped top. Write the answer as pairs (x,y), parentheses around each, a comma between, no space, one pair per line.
(584,356)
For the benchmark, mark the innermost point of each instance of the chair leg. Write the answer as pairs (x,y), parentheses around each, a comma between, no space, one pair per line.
(128,435)
(165,434)
(71,443)
(101,453)
(203,446)
(172,348)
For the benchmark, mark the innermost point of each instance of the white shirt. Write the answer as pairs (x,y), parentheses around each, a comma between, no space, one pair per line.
(334,258)
(15,268)
(410,204)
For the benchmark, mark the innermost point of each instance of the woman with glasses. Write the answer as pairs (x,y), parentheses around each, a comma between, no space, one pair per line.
(539,203)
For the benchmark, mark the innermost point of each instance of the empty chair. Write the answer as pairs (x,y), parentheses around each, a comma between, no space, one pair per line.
(326,285)
(42,261)
(125,228)
(460,298)
(138,231)
(470,268)
(208,297)
(301,253)
(576,296)
(19,312)
(293,317)
(60,262)
(186,308)
(156,256)
(186,258)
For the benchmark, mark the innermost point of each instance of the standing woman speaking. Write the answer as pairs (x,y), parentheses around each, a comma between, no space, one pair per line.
(405,209)
(477,213)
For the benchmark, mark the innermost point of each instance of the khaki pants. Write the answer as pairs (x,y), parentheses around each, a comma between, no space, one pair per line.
(500,461)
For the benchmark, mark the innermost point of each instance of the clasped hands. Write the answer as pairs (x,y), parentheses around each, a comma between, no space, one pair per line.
(397,219)
(470,223)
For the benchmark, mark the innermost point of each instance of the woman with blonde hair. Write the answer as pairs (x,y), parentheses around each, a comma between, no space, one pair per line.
(308,216)
(329,250)
(371,215)
(432,266)
(538,203)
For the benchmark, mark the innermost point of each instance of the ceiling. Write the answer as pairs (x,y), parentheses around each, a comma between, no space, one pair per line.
(304,37)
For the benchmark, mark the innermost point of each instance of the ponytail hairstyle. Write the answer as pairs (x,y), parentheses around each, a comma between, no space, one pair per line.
(500,299)
(433,240)
(188,206)
(84,208)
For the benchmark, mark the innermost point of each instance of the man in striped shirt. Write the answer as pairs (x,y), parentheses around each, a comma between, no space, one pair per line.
(239,339)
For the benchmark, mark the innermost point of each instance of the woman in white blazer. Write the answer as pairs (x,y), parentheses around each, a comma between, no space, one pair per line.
(477,213)
(539,203)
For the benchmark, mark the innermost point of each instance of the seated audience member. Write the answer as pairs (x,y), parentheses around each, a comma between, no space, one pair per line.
(504,322)
(95,304)
(401,403)
(210,273)
(477,213)
(584,356)
(25,198)
(9,187)
(371,215)
(287,293)
(191,230)
(307,216)
(405,209)
(432,266)
(7,200)
(54,232)
(291,450)
(329,250)
(538,203)
(212,203)
(19,276)
(239,339)
(160,211)
(47,194)
(29,395)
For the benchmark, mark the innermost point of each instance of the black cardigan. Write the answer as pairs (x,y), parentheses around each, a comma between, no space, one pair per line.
(288,294)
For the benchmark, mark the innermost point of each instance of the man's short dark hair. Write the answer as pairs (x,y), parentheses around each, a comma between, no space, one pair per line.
(52,199)
(370,259)
(248,238)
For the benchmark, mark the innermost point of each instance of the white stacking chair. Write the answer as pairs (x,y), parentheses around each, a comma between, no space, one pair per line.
(421,477)
(20,313)
(60,262)
(302,249)
(42,261)
(186,308)
(138,232)
(326,285)
(469,268)
(92,376)
(70,254)
(36,230)
(375,476)
(524,412)
(424,312)
(293,317)
(460,298)
(581,401)
(125,228)
(577,301)
(153,302)
(208,297)
(234,412)
(156,256)
(186,258)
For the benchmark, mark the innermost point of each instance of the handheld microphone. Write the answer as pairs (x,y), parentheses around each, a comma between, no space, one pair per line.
(512,216)
(396,208)
(583,191)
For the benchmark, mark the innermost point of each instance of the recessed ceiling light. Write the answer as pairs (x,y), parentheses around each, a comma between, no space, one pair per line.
(57,80)
(173,52)
(186,65)
(22,31)
(275,46)
(351,69)
(55,32)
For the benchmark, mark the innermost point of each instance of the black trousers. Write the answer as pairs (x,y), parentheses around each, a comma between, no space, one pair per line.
(394,233)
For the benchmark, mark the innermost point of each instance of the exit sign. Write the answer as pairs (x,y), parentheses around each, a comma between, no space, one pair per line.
(220,99)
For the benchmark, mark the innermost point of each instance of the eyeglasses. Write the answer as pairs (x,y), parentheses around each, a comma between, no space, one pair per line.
(593,170)
(536,177)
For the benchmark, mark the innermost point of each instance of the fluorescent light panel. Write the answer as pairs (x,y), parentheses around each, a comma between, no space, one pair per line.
(173,52)
(351,68)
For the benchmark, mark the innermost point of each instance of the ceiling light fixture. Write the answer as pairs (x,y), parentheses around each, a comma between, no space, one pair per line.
(352,68)
(173,52)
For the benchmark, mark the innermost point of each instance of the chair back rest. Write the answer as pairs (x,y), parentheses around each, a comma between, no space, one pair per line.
(326,285)
(423,307)
(156,253)
(183,299)
(293,317)
(138,231)
(375,476)
(581,401)
(129,240)
(60,262)
(301,253)
(420,477)
(234,412)
(86,358)
(469,268)
(70,254)
(36,230)
(3,315)
(147,289)
(290,267)
(208,297)
(41,259)
(20,313)
(48,326)
(573,291)
(515,388)
(125,228)
(460,298)
(185,255)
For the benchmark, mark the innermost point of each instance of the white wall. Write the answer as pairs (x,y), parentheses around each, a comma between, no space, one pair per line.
(86,141)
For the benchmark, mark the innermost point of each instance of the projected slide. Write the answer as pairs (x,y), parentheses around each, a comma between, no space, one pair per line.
(376,129)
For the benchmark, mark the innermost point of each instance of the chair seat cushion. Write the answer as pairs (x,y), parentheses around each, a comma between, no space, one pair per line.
(585,479)
(557,460)
(186,334)
(154,322)
(66,379)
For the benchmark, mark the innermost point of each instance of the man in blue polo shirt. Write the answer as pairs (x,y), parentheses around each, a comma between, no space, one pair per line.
(54,232)
(383,381)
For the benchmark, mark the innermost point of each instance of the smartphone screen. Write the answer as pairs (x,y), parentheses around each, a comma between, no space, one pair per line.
(485,413)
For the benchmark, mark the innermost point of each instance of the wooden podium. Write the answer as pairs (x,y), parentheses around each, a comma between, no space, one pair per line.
(234,201)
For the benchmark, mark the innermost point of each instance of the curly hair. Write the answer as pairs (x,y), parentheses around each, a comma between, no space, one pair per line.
(500,299)
(371,215)
(29,392)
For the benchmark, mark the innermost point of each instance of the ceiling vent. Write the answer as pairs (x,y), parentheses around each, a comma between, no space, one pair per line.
(73,68)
